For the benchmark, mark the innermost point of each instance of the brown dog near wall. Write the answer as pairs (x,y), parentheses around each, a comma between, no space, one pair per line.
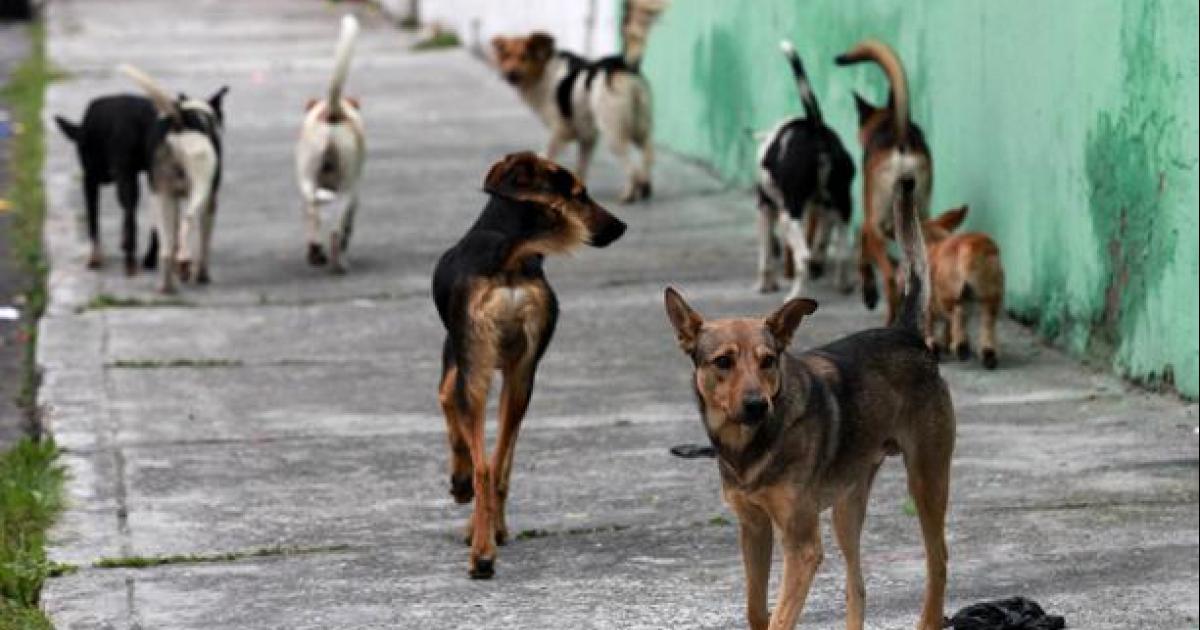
(499,312)
(965,269)
(893,148)
(795,434)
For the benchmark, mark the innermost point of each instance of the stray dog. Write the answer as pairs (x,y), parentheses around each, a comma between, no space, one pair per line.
(499,312)
(563,90)
(185,167)
(892,146)
(805,172)
(111,142)
(797,433)
(329,158)
(964,268)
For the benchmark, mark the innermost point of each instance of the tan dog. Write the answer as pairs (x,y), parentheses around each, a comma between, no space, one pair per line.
(964,268)
(893,149)
(329,159)
(795,434)
(580,100)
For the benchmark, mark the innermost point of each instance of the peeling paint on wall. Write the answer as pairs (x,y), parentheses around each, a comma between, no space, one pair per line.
(1070,127)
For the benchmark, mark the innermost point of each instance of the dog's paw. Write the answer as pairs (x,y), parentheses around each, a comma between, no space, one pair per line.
(338,268)
(963,351)
(989,358)
(95,261)
(870,295)
(462,488)
(150,263)
(316,255)
(645,191)
(183,269)
(482,568)
(131,267)
(202,276)
(816,268)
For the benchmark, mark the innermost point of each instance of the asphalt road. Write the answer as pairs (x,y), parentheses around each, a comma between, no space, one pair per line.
(285,408)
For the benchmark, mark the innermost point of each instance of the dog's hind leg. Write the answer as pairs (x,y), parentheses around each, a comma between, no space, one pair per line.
(646,147)
(339,236)
(988,311)
(472,424)
(848,514)
(460,454)
(514,401)
(768,245)
(845,256)
(587,148)
(927,461)
(127,195)
(620,148)
(91,198)
(207,217)
(803,256)
(168,230)
(756,537)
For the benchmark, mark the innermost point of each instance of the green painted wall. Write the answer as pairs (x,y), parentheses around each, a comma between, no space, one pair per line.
(1069,126)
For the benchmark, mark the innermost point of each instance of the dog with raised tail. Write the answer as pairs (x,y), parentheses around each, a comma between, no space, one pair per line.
(804,175)
(185,170)
(329,160)
(581,100)
(894,150)
(796,434)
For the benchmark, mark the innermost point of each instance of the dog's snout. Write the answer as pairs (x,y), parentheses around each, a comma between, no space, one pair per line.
(908,184)
(754,407)
(605,228)
(513,77)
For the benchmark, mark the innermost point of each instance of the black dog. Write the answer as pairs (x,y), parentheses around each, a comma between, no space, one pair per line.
(113,143)
(499,313)
(805,171)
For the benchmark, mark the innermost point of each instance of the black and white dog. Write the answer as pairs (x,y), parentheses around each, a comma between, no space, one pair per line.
(185,169)
(112,142)
(804,180)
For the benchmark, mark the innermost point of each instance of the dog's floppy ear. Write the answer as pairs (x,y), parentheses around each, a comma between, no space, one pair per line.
(864,107)
(499,43)
(783,322)
(541,46)
(69,129)
(684,319)
(514,174)
(951,219)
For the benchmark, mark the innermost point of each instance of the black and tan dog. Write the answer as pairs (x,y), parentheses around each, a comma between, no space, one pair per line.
(499,312)
(795,434)
(893,149)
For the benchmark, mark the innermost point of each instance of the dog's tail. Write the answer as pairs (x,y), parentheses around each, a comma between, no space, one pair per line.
(639,16)
(882,54)
(166,105)
(811,110)
(341,62)
(69,129)
(914,301)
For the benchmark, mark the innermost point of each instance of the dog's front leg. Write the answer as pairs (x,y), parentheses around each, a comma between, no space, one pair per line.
(91,198)
(767,247)
(586,149)
(558,140)
(514,401)
(168,229)
(802,554)
(845,255)
(127,195)
(756,538)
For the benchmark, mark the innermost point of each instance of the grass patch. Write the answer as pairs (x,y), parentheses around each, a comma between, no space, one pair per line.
(107,300)
(150,364)
(909,508)
(440,39)
(25,94)
(145,562)
(31,496)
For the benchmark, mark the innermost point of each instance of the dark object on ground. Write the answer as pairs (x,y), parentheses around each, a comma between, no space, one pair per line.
(693,451)
(1014,613)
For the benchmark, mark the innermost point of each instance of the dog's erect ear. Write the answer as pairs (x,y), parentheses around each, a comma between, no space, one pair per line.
(214,101)
(864,107)
(783,322)
(950,220)
(684,319)
(69,129)
(354,100)
(541,46)
(310,103)
(513,175)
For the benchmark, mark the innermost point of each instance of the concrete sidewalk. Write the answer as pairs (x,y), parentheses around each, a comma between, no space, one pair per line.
(284,409)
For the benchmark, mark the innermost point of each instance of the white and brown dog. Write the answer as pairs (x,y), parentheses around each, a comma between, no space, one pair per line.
(185,168)
(329,160)
(581,100)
